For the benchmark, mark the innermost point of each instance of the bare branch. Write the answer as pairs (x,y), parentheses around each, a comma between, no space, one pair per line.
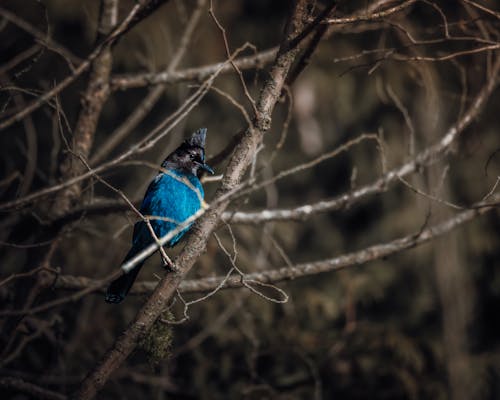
(370,16)
(433,78)
(42,38)
(237,166)
(425,158)
(228,53)
(31,389)
(159,132)
(196,74)
(93,100)
(288,272)
(153,96)
(19,58)
(483,8)
(110,39)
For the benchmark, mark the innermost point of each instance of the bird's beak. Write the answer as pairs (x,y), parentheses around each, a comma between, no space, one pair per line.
(207,168)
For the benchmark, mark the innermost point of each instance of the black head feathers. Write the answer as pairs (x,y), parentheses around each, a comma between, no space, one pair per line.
(190,155)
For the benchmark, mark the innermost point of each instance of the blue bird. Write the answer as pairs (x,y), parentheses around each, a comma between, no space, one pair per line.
(174,195)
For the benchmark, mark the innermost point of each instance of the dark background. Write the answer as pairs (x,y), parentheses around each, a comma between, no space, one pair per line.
(422,324)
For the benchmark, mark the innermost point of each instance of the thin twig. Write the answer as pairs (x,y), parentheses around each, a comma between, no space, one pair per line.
(159,132)
(360,17)
(111,38)
(154,94)
(196,74)
(30,389)
(287,272)
(228,54)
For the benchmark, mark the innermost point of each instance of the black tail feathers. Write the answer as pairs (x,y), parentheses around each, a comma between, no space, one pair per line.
(119,288)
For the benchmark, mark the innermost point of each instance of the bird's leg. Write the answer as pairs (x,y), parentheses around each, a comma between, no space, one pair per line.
(168,264)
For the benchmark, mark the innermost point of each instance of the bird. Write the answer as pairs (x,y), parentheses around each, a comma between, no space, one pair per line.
(174,195)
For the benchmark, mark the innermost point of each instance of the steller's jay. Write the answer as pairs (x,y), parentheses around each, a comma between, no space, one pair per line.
(169,198)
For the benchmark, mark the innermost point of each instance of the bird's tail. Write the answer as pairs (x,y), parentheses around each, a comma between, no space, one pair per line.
(118,289)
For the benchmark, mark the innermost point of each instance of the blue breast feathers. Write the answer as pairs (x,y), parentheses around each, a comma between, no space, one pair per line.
(171,198)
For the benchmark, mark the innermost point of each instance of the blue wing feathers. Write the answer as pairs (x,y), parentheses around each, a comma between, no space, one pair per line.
(171,199)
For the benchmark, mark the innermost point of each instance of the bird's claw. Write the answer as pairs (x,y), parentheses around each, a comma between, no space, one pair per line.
(169,265)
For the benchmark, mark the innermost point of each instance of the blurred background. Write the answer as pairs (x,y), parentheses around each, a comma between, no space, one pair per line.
(421,324)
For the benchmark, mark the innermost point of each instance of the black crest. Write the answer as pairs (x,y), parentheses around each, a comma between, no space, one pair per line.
(190,155)
(197,139)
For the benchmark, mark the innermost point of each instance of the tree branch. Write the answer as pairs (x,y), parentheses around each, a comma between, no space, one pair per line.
(130,20)
(198,74)
(241,159)
(426,157)
(372,15)
(153,96)
(146,143)
(363,256)
(93,100)
(40,37)
(33,390)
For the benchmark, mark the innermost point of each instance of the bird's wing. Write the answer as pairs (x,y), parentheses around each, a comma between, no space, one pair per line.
(149,195)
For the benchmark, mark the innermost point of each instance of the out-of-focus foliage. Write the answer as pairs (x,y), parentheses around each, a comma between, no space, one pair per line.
(376,331)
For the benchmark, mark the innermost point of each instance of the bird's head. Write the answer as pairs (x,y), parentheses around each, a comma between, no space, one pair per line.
(190,155)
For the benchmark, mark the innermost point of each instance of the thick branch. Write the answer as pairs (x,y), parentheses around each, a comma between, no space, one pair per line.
(237,166)
(93,100)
